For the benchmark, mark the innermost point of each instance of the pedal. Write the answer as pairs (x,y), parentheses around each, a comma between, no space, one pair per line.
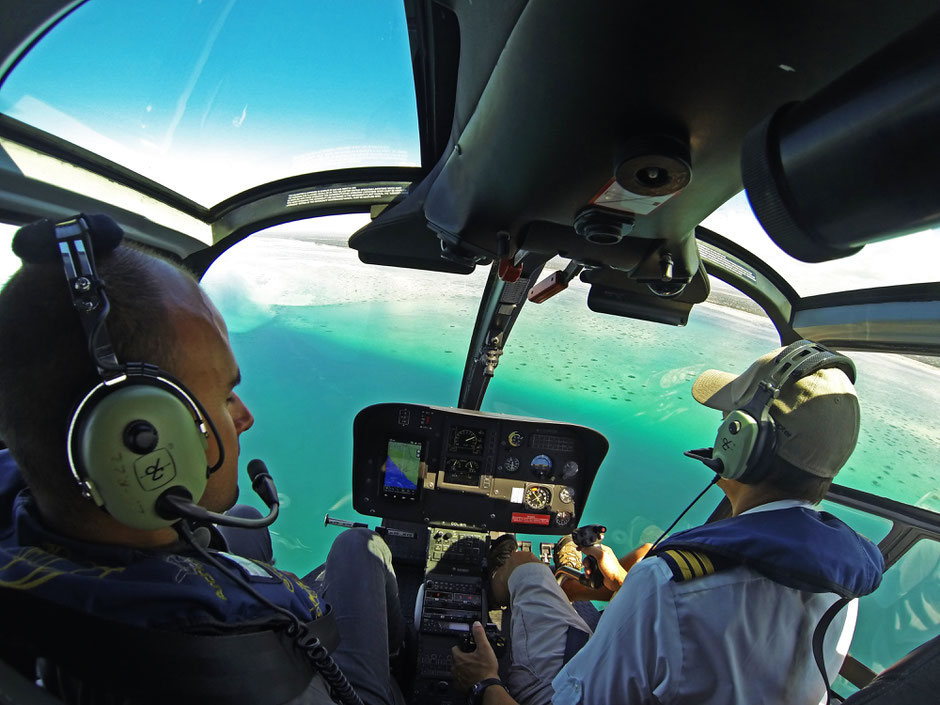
(545,552)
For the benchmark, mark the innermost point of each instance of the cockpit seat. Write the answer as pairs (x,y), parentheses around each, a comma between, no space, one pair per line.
(97,656)
(914,680)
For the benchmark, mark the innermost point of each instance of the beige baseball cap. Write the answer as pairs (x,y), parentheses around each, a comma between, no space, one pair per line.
(817,417)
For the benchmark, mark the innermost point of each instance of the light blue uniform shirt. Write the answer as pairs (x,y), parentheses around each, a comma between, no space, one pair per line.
(733,637)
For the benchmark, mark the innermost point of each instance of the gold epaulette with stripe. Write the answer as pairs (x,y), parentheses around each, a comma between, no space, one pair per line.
(688,565)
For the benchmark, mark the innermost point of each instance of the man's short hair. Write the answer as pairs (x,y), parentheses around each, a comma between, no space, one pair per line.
(45,364)
(794,483)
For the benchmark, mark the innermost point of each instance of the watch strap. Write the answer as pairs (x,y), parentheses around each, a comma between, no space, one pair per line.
(476,694)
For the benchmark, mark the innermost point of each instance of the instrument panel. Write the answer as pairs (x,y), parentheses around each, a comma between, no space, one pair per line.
(493,472)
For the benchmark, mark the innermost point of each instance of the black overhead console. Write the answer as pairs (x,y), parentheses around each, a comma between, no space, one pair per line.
(454,467)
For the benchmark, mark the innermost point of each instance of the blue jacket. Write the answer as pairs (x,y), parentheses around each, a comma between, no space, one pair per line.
(174,588)
(797,547)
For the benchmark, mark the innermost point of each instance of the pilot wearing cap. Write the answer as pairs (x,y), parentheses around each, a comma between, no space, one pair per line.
(725,612)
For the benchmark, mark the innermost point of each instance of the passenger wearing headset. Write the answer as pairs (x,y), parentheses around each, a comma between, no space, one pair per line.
(729,612)
(118,405)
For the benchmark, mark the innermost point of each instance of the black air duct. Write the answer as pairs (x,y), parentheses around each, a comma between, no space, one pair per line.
(857,162)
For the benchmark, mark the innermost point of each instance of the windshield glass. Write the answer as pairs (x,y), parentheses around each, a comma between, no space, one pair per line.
(9,262)
(212,98)
(318,336)
(631,380)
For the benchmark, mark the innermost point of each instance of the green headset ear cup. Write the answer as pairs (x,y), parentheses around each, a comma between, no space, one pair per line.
(128,484)
(734,443)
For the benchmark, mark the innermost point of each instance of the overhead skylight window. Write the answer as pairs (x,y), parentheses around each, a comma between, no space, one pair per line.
(212,98)
(911,259)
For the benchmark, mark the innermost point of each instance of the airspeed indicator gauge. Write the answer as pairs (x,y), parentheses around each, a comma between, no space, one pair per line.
(466,440)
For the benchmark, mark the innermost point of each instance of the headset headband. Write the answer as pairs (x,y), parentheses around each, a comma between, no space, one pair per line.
(73,238)
(805,357)
(796,361)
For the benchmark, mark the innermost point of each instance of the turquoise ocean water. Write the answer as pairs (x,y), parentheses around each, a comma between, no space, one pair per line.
(313,354)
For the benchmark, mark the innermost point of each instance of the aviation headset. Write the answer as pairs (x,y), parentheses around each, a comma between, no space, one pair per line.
(139,434)
(747,438)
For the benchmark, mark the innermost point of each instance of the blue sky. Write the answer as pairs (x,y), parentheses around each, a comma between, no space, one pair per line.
(210,97)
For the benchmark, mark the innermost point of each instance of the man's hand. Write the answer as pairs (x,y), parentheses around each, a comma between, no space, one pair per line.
(470,667)
(613,569)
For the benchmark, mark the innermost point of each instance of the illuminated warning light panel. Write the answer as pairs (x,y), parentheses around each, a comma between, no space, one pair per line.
(493,472)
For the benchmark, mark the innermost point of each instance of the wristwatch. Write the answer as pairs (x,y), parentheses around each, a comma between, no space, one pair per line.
(476,695)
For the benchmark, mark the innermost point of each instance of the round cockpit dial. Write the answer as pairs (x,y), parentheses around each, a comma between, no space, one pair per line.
(511,464)
(538,497)
(541,465)
(467,440)
(566,494)
(570,470)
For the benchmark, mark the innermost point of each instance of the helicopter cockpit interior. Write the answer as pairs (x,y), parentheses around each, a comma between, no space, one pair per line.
(472,254)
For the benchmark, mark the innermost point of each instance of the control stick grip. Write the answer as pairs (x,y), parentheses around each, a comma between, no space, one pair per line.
(585,536)
(593,577)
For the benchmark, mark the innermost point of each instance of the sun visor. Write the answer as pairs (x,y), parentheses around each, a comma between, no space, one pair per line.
(615,293)
(399,236)
(405,241)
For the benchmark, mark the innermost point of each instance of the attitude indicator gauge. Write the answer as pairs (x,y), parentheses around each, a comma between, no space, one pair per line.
(541,465)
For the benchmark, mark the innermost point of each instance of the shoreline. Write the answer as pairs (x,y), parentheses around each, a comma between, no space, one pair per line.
(724,297)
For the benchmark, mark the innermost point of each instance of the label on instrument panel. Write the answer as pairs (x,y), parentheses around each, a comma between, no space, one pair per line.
(516,495)
(399,533)
(523,518)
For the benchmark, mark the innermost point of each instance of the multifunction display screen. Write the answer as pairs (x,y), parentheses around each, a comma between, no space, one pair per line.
(402,469)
